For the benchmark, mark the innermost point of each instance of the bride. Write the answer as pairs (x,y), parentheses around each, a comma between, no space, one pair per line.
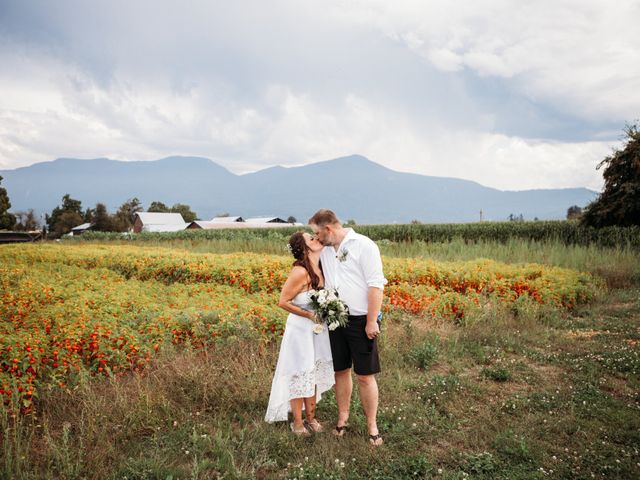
(305,367)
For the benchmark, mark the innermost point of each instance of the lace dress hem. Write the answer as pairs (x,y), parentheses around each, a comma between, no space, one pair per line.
(299,385)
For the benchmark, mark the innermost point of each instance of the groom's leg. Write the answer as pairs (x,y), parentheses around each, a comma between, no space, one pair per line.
(344,387)
(342,367)
(368,388)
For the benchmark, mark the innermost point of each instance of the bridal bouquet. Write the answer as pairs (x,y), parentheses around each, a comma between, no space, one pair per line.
(329,309)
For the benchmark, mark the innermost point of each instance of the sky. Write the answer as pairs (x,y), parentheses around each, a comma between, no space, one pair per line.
(513,95)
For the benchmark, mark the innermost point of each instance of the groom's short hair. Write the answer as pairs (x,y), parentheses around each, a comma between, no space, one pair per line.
(323,217)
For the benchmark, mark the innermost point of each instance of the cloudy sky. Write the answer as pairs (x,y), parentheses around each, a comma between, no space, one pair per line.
(511,94)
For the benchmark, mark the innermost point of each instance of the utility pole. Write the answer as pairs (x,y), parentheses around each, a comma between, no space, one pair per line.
(480,214)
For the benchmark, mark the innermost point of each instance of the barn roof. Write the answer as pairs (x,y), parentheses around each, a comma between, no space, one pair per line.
(226,219)
(265,220)
(84,226)
(157,218)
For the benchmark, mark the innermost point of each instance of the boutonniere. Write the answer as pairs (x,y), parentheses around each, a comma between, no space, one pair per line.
(342,256)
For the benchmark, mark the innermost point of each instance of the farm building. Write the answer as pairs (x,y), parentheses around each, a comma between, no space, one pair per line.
(221,225)
(266,220)
(80,229)
(158,222)
(226,219)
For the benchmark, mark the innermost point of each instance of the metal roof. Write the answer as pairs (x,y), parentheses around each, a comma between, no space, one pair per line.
(264,220)
(84,226)
(157,218)
(226,219)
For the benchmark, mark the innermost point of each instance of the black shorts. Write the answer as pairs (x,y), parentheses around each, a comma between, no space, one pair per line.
(351,346)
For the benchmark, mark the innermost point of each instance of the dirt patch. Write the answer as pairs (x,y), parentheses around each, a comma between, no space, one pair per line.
(588,334)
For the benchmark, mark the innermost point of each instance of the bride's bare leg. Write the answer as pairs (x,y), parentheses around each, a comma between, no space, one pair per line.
(296,410)
(310,408)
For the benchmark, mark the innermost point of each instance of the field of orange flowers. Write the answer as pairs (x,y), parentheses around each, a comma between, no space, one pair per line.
(67,311)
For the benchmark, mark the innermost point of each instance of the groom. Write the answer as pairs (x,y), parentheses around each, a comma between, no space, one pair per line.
(351,263)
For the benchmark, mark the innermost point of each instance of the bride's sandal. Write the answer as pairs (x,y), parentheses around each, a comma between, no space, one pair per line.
(301,433)
(376,440)
(316,426)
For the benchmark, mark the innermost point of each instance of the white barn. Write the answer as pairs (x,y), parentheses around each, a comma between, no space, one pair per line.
(158,222)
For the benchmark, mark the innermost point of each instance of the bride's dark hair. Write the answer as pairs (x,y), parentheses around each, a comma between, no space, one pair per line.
(300,252)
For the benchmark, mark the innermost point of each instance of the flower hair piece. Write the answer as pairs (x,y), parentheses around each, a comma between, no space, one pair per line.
(295,251)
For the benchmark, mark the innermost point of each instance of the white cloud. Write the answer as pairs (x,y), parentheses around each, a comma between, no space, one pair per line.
(250,88)
(576,55)
(141,121)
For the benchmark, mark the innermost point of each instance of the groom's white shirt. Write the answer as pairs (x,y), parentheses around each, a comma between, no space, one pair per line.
(352,269)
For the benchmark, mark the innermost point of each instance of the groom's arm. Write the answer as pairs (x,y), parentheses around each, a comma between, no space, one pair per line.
(371,263)
(374,297)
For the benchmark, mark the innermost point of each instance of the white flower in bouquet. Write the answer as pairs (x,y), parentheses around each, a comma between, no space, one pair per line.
(318,328)
(329,308)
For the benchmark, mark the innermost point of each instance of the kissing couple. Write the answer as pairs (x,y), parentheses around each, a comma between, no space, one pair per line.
(310,363)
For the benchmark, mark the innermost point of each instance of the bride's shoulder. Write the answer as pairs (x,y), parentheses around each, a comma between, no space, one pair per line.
(298,272)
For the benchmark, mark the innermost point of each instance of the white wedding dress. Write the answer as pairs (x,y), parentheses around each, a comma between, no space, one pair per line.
(304,363)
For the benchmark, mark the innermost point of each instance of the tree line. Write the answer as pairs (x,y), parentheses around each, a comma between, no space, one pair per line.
(617,205)
(70,214)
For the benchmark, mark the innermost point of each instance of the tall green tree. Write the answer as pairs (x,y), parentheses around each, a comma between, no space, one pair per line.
(88,215)
(130,208)
(158,207)
(63,218)
(185,211)
(102,221)
(125,217)
(7,220)
(619,202)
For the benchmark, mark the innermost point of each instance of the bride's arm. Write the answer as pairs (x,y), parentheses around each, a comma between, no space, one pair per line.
(295,283)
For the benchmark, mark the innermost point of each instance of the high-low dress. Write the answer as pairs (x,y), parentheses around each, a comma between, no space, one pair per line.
(304,363)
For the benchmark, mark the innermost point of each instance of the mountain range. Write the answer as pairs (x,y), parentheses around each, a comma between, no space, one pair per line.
(353,186)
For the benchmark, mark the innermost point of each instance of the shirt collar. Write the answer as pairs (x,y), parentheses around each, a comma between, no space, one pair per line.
(351,235)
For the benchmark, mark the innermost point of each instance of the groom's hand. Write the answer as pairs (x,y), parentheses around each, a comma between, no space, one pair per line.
(372,330)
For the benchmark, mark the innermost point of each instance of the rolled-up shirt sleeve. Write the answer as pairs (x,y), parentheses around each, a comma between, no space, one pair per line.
(371,263)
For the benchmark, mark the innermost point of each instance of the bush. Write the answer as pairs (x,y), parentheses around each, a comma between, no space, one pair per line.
(497,374)
(424,355)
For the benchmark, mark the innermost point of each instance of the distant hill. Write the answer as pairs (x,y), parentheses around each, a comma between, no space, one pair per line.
(354,187)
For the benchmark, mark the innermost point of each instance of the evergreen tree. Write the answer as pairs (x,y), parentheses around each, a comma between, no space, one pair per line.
(7,220)
(88,215)
(102,221)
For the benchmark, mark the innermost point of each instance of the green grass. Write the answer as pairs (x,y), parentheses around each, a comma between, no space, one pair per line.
(199,414)
(536,394)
